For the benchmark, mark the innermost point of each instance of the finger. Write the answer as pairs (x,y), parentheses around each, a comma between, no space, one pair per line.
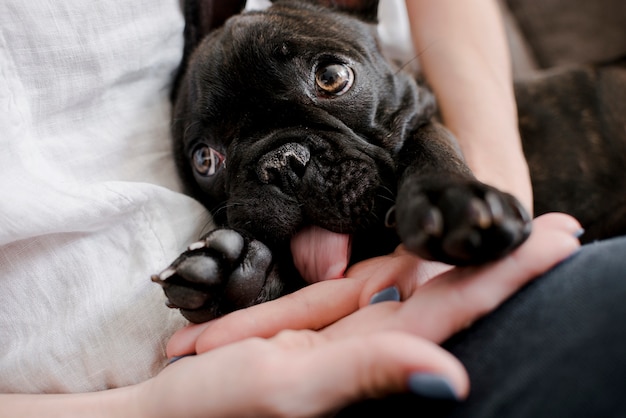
(349,369)
(455,299)
(312,307)
(319,375)
(183,341)
(401,269)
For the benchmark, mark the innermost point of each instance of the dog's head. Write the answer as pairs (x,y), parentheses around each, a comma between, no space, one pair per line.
(291,116)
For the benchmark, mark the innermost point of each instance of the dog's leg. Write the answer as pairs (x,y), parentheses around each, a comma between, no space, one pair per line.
(444,213)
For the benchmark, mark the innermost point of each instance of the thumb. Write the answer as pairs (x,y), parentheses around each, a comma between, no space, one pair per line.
(350,369)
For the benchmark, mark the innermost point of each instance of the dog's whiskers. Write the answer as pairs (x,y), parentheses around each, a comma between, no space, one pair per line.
(416,57)
(188,127)
(225,206)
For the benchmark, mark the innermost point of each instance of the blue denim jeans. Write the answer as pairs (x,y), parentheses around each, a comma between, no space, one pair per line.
(555,349)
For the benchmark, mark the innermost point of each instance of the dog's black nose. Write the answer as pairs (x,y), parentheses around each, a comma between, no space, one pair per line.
(284,165)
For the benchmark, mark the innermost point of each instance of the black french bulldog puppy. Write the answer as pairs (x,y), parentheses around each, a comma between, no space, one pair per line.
(291,117)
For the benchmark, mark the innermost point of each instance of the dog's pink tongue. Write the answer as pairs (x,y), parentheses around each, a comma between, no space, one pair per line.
(320,254)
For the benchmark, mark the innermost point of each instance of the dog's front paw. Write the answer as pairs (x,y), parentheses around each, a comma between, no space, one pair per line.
(460,222)
(219,274)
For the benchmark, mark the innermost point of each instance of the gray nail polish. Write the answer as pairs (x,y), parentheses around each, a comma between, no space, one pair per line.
(176,358)
(579,233)
(432,386)
(390,294)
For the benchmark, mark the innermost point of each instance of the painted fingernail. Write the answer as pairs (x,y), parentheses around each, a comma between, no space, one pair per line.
(176,358)
(390,294)
(433,386)
(579,233)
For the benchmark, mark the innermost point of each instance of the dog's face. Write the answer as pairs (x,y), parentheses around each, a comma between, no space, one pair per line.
(292,117)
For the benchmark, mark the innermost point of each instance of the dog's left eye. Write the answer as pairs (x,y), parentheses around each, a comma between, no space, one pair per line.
(206,161)
(334,79)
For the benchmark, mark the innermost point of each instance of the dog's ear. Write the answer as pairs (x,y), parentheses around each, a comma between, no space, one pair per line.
(202,17)
(366,10)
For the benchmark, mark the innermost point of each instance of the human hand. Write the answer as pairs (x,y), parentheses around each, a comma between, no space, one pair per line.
(361,349)
(301,373)
(452,300)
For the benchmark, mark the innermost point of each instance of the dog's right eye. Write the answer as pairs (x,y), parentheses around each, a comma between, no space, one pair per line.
(334,79)
(206,161)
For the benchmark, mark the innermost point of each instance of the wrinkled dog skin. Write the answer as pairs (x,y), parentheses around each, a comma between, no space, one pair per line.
(291,117)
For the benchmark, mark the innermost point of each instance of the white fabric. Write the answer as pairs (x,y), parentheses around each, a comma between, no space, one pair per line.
(91,204)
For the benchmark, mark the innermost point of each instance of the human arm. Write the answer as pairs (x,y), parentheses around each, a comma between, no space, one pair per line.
(464,55)
(299,373)
(122,402)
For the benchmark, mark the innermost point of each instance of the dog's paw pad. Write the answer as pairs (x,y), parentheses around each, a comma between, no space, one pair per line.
(429,225)
(460,242)
(194,298)
(432,222)
(479,213)
(227,242)
(199,269)
(496,207)
(189,281)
